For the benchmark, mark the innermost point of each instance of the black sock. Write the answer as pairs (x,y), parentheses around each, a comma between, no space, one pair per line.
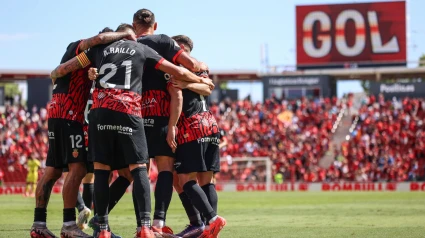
(163,194)
(88,189)
(101,190)
(142,193)
(199,199)
(209,190)
(136,208)
(103,222)
(192,213)
(116,191)
(40,214)
(80,202)
(69,214)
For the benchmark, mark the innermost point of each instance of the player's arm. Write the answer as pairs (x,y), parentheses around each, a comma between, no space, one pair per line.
(178,72)
(105,38)
(176,105)
(199,88)
(176,55)
(181,73)
(191,63)
(78,62)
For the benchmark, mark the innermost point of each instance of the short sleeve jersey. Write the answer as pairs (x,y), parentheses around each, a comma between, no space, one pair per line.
(120,66)
(196,120)
(70,92)
(155,97)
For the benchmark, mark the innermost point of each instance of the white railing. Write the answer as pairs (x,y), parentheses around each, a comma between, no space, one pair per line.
(339,118)
(353,126)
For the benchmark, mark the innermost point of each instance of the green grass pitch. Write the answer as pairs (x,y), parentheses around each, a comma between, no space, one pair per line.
(260,214)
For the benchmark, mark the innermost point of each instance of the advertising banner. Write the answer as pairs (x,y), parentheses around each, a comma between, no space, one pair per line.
(294,87)
(398,90)
(351,35)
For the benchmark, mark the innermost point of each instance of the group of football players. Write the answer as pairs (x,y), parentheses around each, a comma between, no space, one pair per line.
(167,119)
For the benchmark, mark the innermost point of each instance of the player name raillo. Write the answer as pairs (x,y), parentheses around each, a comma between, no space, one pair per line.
(118,50)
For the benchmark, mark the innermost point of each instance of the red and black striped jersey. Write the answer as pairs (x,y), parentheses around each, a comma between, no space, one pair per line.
(70,92)
(196,120)
(155,96)
(121,66)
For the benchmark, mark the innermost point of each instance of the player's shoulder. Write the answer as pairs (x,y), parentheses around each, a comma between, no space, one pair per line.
(148,39)
(167,40)
(164,36)
(71,51)
(148,50)
(154,39)
(132,45)
(73,45)
(127,42)
(97,47)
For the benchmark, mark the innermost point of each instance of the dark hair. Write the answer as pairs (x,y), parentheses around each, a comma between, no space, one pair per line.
(182,39)
(144,17)
(106,29)
(124,26)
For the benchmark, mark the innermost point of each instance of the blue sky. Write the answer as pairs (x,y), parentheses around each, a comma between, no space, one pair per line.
(227,34)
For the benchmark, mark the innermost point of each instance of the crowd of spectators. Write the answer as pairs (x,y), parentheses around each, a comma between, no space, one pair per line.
(23,133)
(295,134)
(387,144)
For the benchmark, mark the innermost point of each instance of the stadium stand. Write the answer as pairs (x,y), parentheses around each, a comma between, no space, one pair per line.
(386,144)
(22,134)
(295,134)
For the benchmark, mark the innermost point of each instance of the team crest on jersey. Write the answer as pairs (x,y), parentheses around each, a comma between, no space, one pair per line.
(205,122)
(52,104)
(75,153)
(101,95)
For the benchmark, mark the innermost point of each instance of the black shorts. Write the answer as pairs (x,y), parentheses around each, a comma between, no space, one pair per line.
(89,164)
(116,139)
(66,143)
(157,141)
(200,155)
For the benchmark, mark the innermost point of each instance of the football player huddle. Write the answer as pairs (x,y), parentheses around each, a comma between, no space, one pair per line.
(119,99)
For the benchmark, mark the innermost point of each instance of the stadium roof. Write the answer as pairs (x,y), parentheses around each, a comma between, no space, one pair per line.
(17,74)
(364,73)
(13,74)
(243,75)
